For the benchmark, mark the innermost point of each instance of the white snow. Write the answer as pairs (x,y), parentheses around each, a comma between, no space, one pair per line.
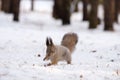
(97,54)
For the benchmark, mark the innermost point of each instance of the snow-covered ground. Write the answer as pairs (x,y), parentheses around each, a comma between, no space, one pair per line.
(97,54)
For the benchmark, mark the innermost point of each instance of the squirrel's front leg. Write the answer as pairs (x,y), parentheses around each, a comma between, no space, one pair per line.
(52,63)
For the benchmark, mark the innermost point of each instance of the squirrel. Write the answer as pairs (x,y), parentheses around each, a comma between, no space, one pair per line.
(56,53)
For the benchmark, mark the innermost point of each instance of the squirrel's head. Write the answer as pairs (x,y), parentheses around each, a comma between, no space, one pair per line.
(50,51)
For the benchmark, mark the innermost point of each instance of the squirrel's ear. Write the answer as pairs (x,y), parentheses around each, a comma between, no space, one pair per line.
(51,42)
(47,41)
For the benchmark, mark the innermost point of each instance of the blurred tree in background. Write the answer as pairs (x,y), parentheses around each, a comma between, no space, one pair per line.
(32,5)
(16,9)
(11,6)
(56,9)
(63,10)
(93,19)
(74,6)
(111,13)
(109,10)
(6,6)
(85,10)
(117,10)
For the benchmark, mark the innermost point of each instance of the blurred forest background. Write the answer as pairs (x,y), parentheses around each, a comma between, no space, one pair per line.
(63,10)
(25,25)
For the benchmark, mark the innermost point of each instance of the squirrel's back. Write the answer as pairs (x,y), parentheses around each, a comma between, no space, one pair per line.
(62,53)
(70,40)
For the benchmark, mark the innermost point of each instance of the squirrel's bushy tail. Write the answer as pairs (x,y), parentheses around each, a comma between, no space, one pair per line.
(70,40)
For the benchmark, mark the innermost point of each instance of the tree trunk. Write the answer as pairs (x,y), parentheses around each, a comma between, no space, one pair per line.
(85,10)
(93,19)
(57,9)
(0,5)
(61,10)
(65,16)
(117,7)
(32,5)
(74,5)
(11,6)
(16,7)
(109,14)
(6,5)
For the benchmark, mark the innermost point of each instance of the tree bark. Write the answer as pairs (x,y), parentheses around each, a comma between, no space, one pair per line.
(93,19)
(117,8)
(61,10)
(66,4)
(109,6)
(85,10)
(6,6)
(57,9)
(16,9)
(0,5)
